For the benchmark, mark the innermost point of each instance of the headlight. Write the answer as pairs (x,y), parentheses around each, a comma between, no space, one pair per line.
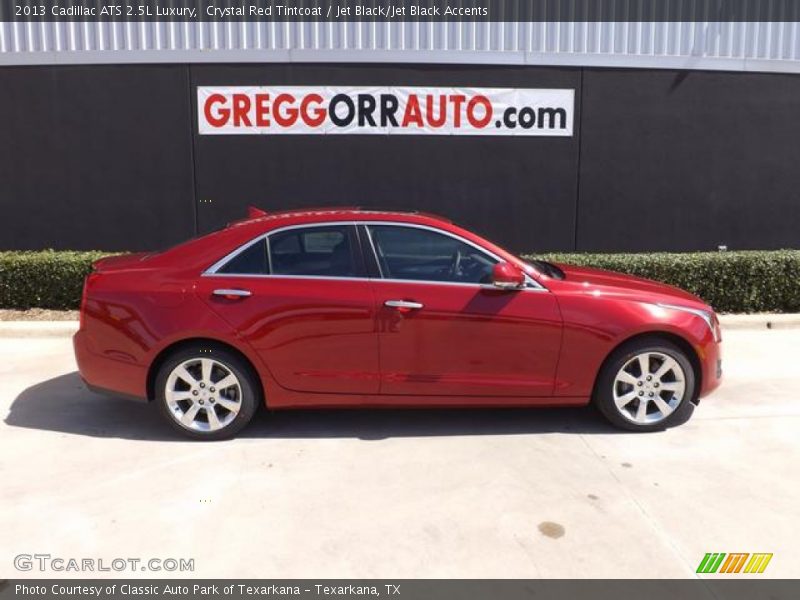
(707,315)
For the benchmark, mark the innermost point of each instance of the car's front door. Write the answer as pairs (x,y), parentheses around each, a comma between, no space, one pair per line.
(445,331)
(301,299)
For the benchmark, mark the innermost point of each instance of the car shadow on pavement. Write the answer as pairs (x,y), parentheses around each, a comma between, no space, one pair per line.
(64,404)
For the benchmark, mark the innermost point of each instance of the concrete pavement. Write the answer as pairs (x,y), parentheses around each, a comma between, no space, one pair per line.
(476,493)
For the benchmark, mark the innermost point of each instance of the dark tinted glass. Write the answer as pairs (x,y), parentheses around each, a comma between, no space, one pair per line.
(251,261)
(320,251)
(425,255)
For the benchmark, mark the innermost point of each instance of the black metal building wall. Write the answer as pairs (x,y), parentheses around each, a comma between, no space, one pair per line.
(108,157)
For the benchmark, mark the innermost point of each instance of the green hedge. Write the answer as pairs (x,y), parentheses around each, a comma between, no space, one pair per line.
(738,282)
(46,279)
(729,281)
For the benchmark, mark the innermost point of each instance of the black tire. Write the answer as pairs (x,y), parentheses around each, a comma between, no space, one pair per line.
(248,395)
(604,390)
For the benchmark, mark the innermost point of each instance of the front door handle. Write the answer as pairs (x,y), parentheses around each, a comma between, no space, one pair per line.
(232,294)
(403,305)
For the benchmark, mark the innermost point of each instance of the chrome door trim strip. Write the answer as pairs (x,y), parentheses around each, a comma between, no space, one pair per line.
(484,286)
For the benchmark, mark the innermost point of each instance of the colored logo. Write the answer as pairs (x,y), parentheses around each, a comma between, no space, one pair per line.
(738,562)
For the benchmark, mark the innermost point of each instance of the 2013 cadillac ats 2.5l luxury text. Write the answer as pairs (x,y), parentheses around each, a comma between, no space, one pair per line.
(348,308)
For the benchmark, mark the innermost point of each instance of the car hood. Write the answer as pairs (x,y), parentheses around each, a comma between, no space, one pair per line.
(600,282)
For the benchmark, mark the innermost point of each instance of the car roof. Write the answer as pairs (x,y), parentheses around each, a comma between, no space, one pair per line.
(328,214)
(205,250)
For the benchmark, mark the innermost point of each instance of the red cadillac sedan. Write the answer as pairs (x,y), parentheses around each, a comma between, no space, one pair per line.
(356,308)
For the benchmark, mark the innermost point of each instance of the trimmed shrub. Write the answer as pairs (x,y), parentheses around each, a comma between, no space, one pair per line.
(751,281)
(46,279)
(739,282)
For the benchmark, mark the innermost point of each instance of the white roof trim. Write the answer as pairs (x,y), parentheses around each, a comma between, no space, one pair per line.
(773,47)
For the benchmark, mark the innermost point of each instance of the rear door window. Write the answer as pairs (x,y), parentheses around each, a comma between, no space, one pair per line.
(327,251)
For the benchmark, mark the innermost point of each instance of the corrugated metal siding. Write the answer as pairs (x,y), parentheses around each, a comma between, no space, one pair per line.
(768,46)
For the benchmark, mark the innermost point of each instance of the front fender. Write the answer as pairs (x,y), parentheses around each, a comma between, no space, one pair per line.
(595,327)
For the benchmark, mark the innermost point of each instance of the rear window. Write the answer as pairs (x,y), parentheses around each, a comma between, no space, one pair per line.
(250,261)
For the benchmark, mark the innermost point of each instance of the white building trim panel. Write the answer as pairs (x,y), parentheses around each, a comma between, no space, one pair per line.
(730,46)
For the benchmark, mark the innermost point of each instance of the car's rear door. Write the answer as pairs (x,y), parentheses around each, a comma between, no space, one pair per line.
(445,331)
(301,299)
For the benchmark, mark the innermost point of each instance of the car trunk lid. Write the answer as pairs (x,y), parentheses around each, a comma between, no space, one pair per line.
(119,262)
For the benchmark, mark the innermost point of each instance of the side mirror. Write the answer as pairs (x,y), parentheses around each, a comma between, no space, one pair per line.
(507,276)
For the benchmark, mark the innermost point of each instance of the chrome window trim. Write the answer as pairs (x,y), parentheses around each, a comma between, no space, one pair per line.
(374,250)
(530,283)
(269,254)
(212,270)
(485,286)
(314,277)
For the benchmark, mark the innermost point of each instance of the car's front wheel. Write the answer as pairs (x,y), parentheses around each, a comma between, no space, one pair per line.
(207,392)
(646,385)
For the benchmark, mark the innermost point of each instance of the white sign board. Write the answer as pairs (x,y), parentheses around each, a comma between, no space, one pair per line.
(384,110)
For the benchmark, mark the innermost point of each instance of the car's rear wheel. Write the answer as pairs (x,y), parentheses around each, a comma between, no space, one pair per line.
(646,385)
(207,392)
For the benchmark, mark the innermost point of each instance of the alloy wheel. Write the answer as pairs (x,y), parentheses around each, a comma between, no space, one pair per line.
(649,387)
(203,394)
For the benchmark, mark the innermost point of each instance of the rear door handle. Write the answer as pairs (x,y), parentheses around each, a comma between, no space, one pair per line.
(232,294)
(403,305)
